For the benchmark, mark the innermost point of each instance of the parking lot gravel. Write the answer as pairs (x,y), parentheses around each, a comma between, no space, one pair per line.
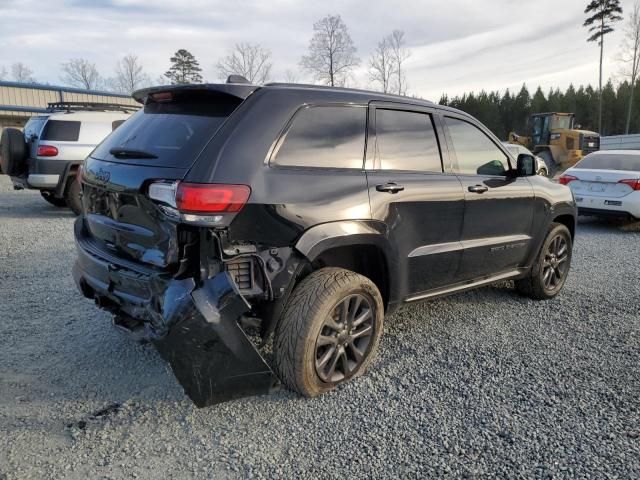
(481,384)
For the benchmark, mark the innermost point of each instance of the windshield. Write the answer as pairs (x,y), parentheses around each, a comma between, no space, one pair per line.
(169,133)
(611,161)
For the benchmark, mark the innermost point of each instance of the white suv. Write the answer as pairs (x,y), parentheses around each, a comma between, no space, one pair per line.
(47,154)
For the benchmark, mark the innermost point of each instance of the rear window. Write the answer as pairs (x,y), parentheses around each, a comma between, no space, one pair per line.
(33,127)
(61,131)
(610,161)
(175,132)
(324,137)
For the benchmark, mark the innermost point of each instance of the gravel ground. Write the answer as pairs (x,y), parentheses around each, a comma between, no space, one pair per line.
(483,384)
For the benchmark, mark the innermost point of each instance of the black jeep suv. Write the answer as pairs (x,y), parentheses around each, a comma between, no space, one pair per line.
(307,212)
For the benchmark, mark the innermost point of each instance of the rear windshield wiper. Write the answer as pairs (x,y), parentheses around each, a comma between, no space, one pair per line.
(122,152)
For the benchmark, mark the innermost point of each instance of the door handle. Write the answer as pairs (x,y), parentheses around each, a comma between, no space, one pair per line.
(478,188)
(390,188)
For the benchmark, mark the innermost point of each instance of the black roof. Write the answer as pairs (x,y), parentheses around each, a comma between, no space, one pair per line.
(243,90)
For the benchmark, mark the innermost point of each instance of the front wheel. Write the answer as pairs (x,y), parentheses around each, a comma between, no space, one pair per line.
(552,167)
(328,332)
(549,272)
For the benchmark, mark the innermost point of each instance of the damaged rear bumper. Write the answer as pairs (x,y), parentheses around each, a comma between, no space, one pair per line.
(194,327)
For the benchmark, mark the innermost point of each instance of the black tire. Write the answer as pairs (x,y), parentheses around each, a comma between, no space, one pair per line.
(311,330)
(73,195)
(552,167)
(52,199)
(543,172)
(13,157)
(551,267)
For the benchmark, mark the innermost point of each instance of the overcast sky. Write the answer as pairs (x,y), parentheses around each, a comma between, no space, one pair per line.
(456,45)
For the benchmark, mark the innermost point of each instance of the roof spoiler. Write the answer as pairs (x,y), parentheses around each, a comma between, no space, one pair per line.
(240,90)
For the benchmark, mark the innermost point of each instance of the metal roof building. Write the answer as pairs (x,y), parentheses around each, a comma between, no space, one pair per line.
(19,101)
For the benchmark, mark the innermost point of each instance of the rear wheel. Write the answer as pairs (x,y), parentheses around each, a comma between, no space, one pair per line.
(552,167)
(329,331)
(52,199)
(549,272)
(73,195)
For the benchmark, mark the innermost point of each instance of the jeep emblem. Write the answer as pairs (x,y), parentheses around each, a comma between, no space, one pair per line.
(103,175)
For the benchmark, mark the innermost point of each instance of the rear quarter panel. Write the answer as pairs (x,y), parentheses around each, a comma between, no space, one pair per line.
(284,202)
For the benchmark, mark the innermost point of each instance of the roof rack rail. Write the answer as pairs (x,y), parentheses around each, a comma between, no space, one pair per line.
(90,107)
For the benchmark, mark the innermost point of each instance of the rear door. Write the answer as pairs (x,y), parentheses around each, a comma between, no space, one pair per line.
(421,205)
(498,207)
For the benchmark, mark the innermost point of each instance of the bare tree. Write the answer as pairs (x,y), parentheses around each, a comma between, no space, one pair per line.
(630,56)
(332,54)
(81,73)
(382,65)
(21,73)
(290,76)
(3,72)
(400,53)
(130,75)
(249,60)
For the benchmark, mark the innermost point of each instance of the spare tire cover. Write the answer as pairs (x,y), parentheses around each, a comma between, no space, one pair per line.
(14,152)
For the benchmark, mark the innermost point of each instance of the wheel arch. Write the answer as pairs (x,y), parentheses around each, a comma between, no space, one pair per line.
(359,246)
(568,221)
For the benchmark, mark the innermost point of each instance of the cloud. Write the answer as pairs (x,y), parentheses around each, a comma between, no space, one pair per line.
(457,46)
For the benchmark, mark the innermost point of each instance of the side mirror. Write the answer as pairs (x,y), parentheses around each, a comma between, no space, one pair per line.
(526,165)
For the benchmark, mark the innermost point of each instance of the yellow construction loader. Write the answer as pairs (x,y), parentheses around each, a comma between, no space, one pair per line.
(552,137)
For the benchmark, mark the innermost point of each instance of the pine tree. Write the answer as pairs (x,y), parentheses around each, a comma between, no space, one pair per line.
(184,69)
(603,14)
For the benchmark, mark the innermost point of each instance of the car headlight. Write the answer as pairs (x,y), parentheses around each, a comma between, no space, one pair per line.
(555,136)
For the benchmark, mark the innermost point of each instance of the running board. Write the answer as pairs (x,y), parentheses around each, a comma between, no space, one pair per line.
(460,287)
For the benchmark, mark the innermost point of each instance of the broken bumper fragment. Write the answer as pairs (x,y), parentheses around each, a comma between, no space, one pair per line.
(194,328)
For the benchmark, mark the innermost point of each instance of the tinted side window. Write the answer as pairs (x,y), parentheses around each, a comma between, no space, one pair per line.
(324,136)
(61,130)
(406,141)
(476,153)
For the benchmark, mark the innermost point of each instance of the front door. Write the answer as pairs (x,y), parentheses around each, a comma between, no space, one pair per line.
(498,212)
(420,205)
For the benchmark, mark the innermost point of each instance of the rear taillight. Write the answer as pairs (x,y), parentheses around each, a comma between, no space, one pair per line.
(47,151)
(633,183)
(211,198)
(200,198)
(567,179)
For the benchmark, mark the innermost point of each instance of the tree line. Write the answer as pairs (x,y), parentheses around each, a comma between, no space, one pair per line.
(510,111)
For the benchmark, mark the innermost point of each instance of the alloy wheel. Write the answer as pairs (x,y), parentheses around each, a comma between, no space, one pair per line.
(556,262)
(344,339)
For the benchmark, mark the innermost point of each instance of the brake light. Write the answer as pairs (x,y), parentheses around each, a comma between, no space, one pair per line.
(162,96)
(211,198)
(47,151)
(632,182)
(567,179)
